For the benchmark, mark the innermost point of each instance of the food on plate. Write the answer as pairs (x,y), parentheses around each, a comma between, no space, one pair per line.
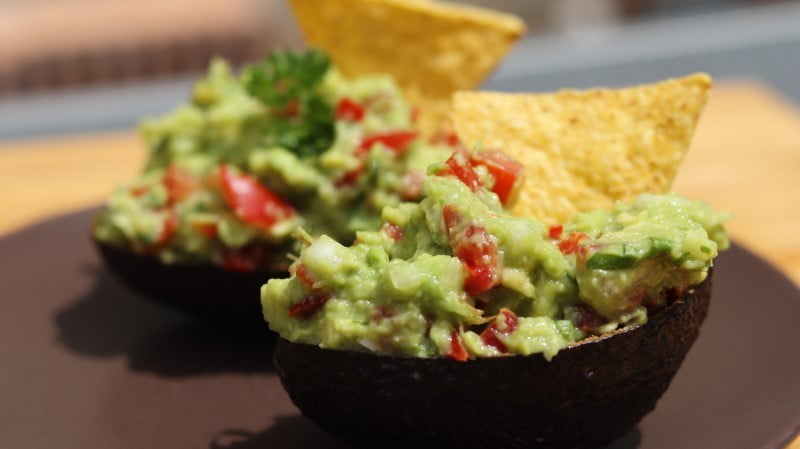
(431,48)
(288,142)
(552,330)
(295,142)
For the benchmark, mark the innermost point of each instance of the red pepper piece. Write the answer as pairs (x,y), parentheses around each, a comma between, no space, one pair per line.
(457,350)
(252,202)
(571,243)
(180,183)
(507,172)
(556,231)
(207,230)
(491,335)
(587,318)
(168,228)
(475,249)
(309,306)
(457,165)
(397,141)
(349,110)
(245,259)
(393,231)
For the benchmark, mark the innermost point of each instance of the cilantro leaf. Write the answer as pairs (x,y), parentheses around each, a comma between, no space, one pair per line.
(286,82)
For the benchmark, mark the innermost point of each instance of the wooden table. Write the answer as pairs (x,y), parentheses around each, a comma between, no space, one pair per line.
(745,158)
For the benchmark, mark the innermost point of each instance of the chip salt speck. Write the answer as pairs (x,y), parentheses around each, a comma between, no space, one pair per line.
(586,149)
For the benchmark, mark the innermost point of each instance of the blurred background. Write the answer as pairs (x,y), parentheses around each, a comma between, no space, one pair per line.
(70,66)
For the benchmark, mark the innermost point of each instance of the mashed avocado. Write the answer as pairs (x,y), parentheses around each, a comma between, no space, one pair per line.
(456,275)
(288,142)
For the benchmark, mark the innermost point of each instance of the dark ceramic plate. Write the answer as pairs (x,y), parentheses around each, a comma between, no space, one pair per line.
(86,363)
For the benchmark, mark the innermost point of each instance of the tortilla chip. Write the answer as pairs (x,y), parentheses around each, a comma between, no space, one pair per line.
(432,49)
(586,149)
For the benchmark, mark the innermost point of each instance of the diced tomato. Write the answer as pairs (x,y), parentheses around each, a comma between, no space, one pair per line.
(180,183)
(586,317)
(475,249)
(309,306)
(351,177)
(252,202)
(491,335)
(571,243)
(457,350)
(349,110)
(139,191)
(208,229)
(381,313)
(507,172)
(451,218)
(245,259)
(458,165)
(393,231)
(447,138)
(397,141)
(412,186)
(555,231)
(306,277)
(168,228)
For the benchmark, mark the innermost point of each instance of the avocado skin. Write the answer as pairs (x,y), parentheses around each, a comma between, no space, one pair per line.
(587,396)
(205,290)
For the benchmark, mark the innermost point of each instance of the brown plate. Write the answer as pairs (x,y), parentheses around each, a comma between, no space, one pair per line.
(86,363)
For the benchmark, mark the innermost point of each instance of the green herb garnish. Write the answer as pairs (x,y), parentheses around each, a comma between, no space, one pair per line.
(285,82)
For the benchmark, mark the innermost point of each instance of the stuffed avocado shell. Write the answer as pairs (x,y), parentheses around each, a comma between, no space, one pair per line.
(287,142)
(456,275)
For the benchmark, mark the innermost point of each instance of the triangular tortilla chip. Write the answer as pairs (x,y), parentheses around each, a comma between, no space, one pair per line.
(586,149)
(432,49)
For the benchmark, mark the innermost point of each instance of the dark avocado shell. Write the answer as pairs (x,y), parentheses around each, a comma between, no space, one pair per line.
(587,396)
(206,290)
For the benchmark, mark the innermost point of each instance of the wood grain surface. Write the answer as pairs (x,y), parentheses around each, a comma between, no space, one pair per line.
(745,159)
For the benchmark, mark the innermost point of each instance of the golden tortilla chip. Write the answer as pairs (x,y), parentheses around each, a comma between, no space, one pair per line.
(586,149)
(432,49)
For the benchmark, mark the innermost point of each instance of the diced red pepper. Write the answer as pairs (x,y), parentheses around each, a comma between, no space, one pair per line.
(349,110)
(139,191)
(571,243)
(252,202)
(447,138)
(586,317)
(208,230)
(491,335)
(393,231)
(397,141)
(412,186)
(305,276)
(180,183)
(458,165)
(309,306)
(555,231)
(507,172)
(475,249)
(168,228)
(351,177)
(246,259)
(457,350)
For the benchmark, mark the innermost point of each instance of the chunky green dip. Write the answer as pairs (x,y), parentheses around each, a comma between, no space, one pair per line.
(288,142)
(456,275)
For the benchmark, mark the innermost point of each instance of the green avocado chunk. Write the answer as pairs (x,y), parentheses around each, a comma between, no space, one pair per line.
(457,276)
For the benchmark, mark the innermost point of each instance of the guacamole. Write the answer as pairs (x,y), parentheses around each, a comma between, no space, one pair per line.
(288,142)
(456,275)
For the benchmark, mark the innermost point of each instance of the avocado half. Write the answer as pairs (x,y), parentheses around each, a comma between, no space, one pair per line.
(587,396)
(206,290)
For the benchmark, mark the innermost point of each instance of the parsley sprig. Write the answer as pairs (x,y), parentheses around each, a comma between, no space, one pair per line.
(285,82)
